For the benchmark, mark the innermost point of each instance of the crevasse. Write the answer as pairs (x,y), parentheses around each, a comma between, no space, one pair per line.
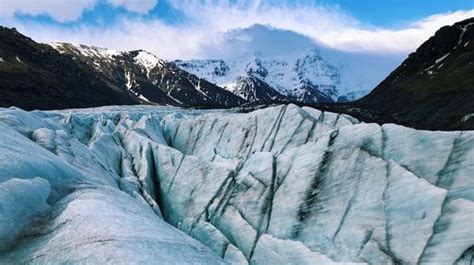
(282,185)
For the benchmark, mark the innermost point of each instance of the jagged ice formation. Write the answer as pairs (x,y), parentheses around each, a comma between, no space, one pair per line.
(278,185)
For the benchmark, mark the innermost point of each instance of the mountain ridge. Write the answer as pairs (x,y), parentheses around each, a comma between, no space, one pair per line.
(150,78)
(305,78)
(59,76)
(36,76)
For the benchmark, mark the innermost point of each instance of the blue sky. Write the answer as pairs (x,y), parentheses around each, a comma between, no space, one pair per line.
(386,13)
(393,13)
(193,28)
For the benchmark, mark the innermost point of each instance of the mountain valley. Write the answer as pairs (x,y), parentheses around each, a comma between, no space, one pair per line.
(278,154)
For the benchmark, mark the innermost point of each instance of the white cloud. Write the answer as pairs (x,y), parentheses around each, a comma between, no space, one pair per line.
(66,10)
(325,24)
(59,10)
(391,40)
(137,6)
(204,31)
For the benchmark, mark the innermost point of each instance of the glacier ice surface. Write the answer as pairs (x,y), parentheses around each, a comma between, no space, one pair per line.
(280,185)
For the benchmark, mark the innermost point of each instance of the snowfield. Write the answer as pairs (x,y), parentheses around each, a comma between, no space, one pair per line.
(280,185)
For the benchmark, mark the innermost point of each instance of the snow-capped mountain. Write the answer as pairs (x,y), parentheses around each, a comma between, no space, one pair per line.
(303,78)
(149,78)
(293,66)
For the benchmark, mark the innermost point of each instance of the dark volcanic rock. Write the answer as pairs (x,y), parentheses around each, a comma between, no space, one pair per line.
(434,86)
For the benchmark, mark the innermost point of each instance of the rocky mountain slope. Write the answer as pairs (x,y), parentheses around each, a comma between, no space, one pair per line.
(150,78)
(434,87)
(35,76)
(38,76)
(278,185)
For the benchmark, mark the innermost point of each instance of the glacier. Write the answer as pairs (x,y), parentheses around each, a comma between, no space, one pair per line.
(279,185)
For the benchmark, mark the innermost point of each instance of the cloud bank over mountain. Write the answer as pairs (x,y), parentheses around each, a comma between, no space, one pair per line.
(196,29)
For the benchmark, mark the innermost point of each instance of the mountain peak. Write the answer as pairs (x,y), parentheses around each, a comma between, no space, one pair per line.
(296,77)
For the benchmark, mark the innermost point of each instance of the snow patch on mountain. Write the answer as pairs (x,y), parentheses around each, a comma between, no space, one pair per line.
(463,28)
(88,51)
(129,79)
(148,61)
(442,58)
(467,117)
